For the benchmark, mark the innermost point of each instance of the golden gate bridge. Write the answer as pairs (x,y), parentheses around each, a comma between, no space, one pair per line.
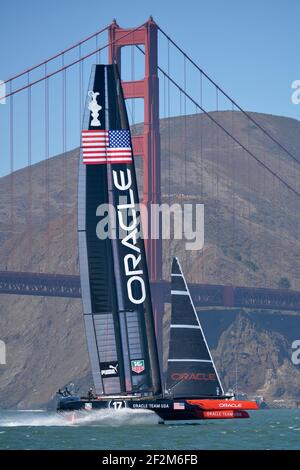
(48,98)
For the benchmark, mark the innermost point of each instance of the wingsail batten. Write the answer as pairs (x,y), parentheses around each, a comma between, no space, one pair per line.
(191,370)
(115,287)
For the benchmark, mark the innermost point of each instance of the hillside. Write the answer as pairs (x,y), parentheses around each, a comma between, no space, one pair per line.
(252,237)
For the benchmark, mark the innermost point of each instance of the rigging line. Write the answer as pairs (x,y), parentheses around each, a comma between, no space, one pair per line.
(287,185)
(230,99)
(129,110)
(59,54)
(65,67)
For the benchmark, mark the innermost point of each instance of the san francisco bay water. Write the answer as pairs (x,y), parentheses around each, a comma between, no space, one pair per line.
(266,429)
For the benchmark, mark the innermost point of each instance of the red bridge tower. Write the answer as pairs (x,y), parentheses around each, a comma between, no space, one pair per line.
(146,145)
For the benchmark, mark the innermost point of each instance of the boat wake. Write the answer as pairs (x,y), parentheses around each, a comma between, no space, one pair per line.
(113,418)
(93,418)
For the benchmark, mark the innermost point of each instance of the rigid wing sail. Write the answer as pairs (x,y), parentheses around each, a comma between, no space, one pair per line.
(114,280)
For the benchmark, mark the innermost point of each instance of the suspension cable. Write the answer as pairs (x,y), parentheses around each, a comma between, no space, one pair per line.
(59,54)
(65,67)
(264,165)
(228,97)
(285,183)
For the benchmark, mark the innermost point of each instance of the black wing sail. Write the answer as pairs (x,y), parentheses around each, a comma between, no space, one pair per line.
(191,371)
(115,287)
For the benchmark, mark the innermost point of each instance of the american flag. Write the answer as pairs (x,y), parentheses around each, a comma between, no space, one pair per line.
(179,406)
(106,146)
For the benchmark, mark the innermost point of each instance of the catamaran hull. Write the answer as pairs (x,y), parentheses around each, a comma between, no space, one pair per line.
(167,410)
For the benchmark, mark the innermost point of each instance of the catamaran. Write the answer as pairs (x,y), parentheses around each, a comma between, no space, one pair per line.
(115,287)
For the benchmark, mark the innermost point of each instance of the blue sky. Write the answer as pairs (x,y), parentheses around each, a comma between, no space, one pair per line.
(249,47)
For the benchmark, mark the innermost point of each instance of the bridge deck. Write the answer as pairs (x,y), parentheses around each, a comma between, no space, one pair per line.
(204,295)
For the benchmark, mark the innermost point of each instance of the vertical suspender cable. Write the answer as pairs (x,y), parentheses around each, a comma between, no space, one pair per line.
(264,219)
(185,144)
(133,79)
(98,57)
(11,133)
(218,212)
(198,275)
(235,254)
(80,69)
(250,265)
(29,174)
(169,126)
(63,159)
(165,97)
(168,100)
(201,122)
(47,183)
(280,212)
(185,125)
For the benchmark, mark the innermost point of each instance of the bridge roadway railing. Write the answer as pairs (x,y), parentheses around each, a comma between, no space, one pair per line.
(40,284)
(204,295)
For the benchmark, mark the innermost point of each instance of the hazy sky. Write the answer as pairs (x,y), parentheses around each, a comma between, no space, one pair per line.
(249,47)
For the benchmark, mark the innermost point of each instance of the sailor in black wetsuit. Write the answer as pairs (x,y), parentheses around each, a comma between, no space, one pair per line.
(91,396)
(64,393)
